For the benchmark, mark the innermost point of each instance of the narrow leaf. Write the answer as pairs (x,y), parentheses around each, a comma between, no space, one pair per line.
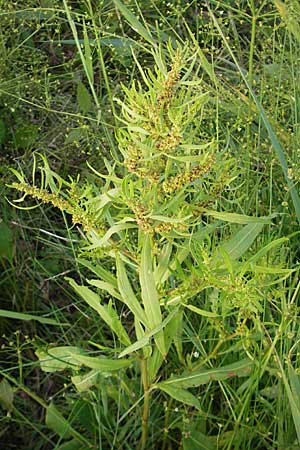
(163,263)
(103,364)
(201,312)
(149,294)
(239,369)
(56,422)
(237,218)
(24,316)
(127,293)
(83,98)
(181,395)
(58,358)
(134,22)
(106,312)
(240,242)
(104,286)
(98,270)
(144,340)
(88,55)
(85,382)
(6,395)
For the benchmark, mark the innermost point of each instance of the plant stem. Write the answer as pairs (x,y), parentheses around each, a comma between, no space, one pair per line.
(146,403)
(252,47)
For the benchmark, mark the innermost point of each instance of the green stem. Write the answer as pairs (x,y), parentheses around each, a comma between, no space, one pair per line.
(251,55)
(146,404)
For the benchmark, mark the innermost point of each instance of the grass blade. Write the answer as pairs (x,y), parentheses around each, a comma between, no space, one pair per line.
(23,316)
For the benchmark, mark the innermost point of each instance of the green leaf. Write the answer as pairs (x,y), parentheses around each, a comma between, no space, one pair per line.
(103,241)
(196,440)
(75,135)
(149,294)
(201,312)
(181,395)
(143,341)
(6,241)
(88,55)
(83,98)
(103,364)
(106,312)
(128,296)
(240,242)
(293,393)
(23,316)
(58,358)
(104,286)
(71,445)
(239,369)
(85,382)
(262,252)
(134,22)
(56,422)
(163,263)
(100,272)
(6,395)
(237,218)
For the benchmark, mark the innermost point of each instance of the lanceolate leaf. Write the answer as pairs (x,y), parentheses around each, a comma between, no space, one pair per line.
(127,293)
(182,395)
(134,22)
(25,316)
(106,312)
(163,263)
(88,55)
(102,273)
(239,244)
(201,312)
(58,358)
(238,369)
(83,98)
(57,422)
(104,286)
(85,382)
(237,218)
(149,294)
(6,395)
(144,340)
(103,364)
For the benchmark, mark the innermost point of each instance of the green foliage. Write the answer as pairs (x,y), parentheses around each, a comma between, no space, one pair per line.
(148,218)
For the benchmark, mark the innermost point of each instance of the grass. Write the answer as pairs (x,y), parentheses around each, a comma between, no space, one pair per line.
(63,68)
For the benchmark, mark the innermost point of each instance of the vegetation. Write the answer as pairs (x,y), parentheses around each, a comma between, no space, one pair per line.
(149,225)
